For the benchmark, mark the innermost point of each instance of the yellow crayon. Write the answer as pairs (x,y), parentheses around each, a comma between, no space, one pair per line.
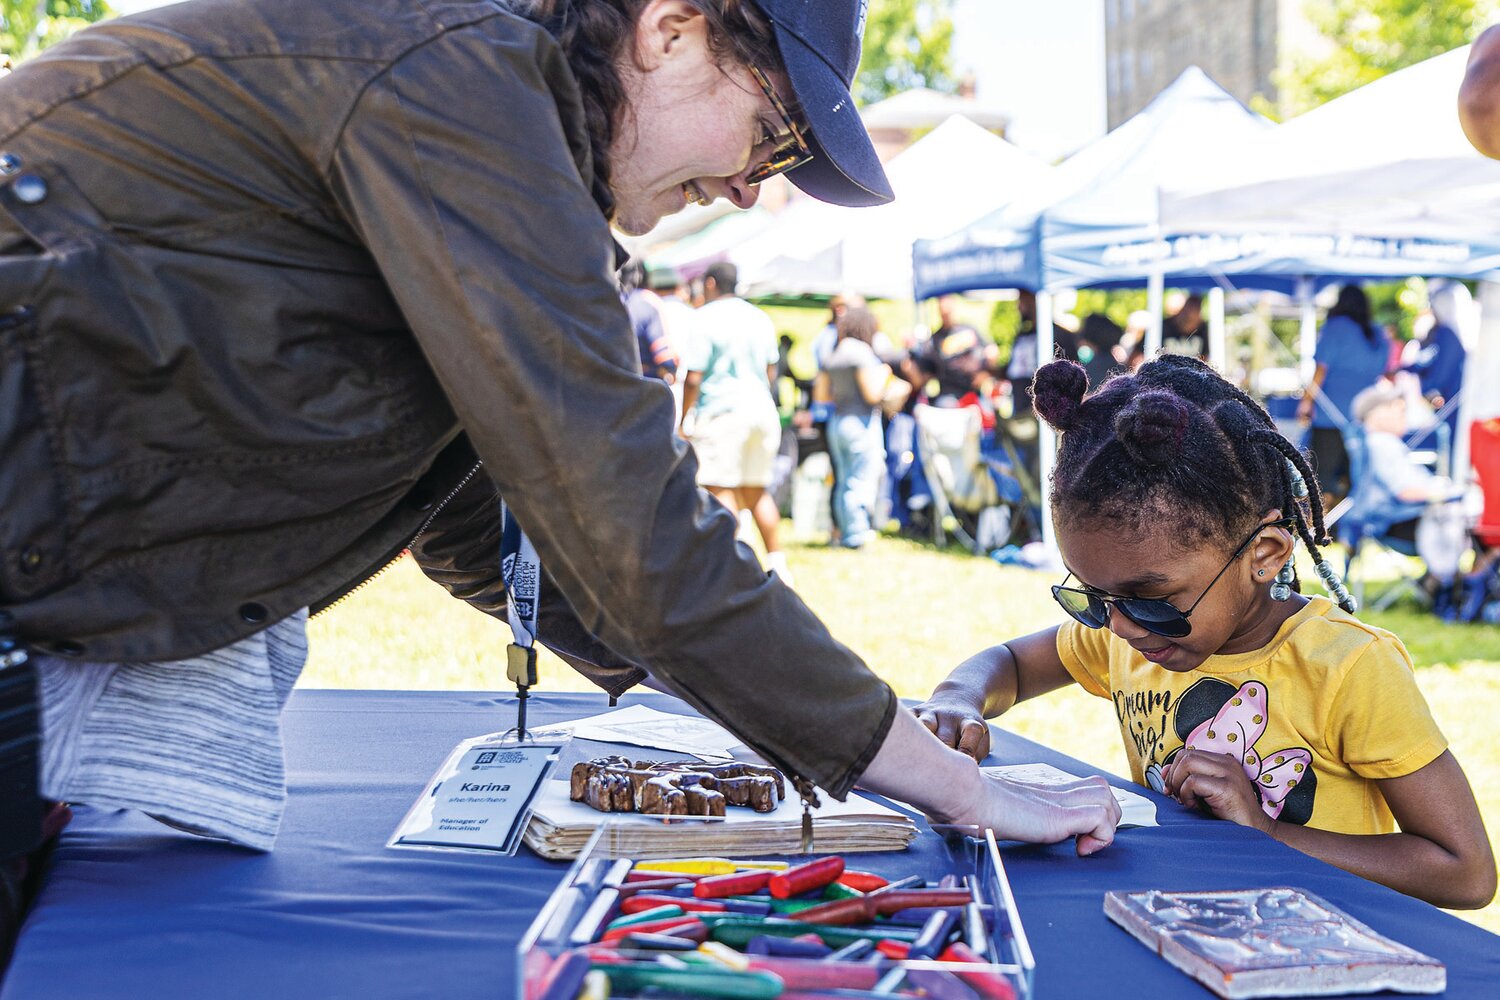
(595,986)
(724,954)
(768,866)
(689,866)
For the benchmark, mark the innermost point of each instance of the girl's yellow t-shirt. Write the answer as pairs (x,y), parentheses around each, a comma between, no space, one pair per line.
(1315,717)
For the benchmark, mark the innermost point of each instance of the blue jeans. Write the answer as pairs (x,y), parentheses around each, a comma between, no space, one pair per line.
(857,448)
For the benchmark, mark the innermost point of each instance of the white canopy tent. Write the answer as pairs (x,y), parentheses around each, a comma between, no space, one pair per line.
(953,175)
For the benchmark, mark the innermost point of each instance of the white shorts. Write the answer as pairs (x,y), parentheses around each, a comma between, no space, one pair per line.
(737,447)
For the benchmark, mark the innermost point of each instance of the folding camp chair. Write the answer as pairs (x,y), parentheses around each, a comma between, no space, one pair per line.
(1364,522)
(948,442)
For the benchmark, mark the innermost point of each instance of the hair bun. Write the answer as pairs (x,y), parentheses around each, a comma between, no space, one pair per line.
(1057,392)
(1152,427)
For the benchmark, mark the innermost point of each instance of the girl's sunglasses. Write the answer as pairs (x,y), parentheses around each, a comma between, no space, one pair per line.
(1160,617)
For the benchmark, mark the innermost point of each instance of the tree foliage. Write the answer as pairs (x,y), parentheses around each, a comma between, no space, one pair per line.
(1369,38)
(28,26)
(908,43)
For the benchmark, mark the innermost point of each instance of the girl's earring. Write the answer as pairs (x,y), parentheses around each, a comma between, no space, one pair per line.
(1281,590)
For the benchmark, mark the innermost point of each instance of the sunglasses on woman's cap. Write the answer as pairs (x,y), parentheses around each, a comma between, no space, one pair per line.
(1090,607)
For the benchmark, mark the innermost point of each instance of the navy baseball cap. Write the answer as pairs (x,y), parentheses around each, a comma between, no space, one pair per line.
(820,44)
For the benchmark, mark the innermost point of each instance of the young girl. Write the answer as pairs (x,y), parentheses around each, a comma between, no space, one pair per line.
(1177,507)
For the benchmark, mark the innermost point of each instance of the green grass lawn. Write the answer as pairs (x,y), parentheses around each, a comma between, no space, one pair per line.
(912,613)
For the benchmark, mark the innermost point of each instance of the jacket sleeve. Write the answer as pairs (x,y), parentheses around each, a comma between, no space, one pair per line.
(464,169)
(460,550)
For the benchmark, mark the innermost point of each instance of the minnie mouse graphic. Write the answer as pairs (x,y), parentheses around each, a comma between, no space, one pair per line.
(1217,718)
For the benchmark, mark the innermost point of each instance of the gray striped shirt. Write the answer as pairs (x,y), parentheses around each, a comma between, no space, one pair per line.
(195,743)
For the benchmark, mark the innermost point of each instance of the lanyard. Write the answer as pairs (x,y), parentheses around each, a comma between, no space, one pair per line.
(521,571)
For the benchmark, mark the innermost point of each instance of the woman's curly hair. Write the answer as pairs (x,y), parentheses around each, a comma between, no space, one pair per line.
(594,34)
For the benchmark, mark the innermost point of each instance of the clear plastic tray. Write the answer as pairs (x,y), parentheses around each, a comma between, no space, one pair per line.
(562,927)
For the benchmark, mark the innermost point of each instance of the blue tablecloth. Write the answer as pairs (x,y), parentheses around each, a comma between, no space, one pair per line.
(131,909)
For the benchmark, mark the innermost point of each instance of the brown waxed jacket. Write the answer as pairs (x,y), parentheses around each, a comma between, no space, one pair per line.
(271,275)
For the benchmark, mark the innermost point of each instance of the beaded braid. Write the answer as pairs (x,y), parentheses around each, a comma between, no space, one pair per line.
(1158,463)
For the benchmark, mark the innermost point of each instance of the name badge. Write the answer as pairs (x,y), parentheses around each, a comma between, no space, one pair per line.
(480,799)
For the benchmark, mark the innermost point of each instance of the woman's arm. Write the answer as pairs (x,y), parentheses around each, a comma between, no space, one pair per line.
(872,381)
(822,388)
(1442,853)
(987,685)
(1309,398)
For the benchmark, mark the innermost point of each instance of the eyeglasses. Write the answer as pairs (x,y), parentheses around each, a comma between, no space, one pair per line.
(787,150)
(1160,617)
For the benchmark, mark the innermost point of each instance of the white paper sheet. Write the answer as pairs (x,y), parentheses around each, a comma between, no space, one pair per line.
(640,726)
(1135,810)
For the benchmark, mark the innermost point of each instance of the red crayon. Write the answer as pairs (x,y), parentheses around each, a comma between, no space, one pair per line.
(893,949)
(863,881)
(839,912)
(736,884)
(655,876)
(993,987)
(805,878)
(652,927)
(636,904)
(887,903)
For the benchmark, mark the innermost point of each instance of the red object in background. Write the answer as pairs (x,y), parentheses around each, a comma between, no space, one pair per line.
(1484,454)
(805,878)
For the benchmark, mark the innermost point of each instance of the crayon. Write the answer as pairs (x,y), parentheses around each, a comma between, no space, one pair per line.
(935,935)
(838,890)
(615,874)
(974,934)
(657,942)
(774,866)
(888,902)
(843,912)
(654,927)
(890,982)
(917,917)
(695,982)
(696,932)
(785,947)
(938,984)
(803,878)
(863,881)
(644,916)
(853,951)
(657,876)
(890,948)
(595,986)
(659,885)
(799,974)
(693,866)
(837,937)
(650,901)
(910,882)
(733,884)
(724,955)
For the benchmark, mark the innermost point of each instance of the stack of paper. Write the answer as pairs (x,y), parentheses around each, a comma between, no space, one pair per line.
(560,827)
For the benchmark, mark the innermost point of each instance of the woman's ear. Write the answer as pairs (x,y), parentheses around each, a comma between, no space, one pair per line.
(1271,549)
(668,29)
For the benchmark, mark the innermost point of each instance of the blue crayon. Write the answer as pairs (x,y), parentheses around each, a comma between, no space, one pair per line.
(890,982)
(934,936)
(746,906)
(852,952)
(782,947)
(658,942)
(614,876)
(917,916)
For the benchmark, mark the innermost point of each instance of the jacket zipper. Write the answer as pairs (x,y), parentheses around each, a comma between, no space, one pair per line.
(346,595)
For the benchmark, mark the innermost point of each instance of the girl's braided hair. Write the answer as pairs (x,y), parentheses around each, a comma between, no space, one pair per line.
(1174,446)
(595,35)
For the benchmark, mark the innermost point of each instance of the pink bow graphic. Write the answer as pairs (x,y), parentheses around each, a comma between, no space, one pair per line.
(1234,731)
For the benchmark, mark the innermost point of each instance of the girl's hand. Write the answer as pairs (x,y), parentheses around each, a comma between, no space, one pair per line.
(1216,783)
(958,722)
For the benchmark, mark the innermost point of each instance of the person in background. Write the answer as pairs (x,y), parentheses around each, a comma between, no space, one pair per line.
(856,381)
(678,318)
(1184,332)
(1440,359)
(1024,359)
(1408,493)
(827,337)
(955,355)
(1352,354)
(728,390)
(644,306)
(1132,350)
(1097,343)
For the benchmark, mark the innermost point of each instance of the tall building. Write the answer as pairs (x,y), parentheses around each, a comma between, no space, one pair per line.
(1240,43)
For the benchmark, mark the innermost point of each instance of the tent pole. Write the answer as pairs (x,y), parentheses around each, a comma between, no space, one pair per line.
(1218,347)
(1155,292)
(1045,438)
(1308,341)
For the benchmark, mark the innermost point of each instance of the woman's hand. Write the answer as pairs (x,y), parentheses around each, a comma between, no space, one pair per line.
(1216,783)
(1305,409)
(958,722)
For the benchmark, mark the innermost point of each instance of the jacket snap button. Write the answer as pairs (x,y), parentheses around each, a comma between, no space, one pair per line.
(65,647)
(29,189)
(253,613)
(420,497)
(31,559)
(9,164)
